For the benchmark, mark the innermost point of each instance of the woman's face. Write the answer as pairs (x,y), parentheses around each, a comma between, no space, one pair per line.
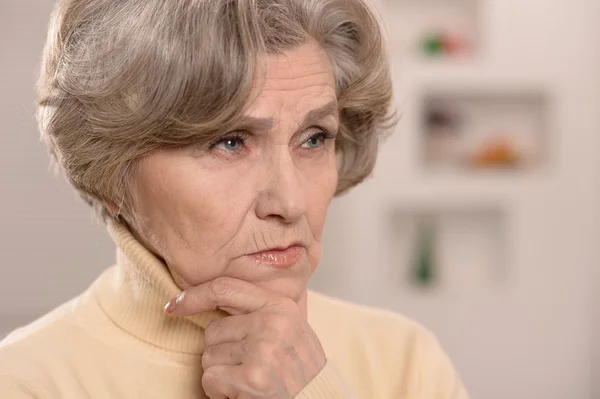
(221,211)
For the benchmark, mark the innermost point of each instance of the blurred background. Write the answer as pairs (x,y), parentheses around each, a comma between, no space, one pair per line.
(482,219)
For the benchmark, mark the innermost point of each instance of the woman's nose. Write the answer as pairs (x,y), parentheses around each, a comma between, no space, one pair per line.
(282,195)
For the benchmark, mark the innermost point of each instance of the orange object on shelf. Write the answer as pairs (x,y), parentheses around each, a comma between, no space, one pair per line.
(497,153)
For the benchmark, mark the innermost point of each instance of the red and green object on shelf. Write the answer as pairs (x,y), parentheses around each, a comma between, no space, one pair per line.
(443,43)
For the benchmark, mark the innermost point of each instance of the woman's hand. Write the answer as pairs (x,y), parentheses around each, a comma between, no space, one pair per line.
(266,349)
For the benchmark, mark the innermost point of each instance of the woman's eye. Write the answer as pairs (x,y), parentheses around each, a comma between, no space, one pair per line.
(230,143)
(316,140)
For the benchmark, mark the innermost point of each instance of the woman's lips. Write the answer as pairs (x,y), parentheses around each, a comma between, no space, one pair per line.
(280,258)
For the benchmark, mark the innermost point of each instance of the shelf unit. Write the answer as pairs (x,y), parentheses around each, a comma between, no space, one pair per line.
(500,144)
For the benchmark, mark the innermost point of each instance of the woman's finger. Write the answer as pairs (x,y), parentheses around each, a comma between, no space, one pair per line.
(227,354)
(216,382)
(228,329)
(242,381)
(232,295)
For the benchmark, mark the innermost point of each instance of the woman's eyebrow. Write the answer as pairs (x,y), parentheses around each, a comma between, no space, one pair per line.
(254,123)
(329,109)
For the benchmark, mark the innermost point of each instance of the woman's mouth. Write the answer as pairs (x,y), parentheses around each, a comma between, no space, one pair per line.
(279,257)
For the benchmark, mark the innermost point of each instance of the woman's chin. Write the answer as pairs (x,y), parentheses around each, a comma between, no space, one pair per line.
(290,282)
(290,289)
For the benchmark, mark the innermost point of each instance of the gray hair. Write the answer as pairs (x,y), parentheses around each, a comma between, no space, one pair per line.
(120,79)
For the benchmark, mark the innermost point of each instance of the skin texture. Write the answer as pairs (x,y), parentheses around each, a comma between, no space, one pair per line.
(204,210)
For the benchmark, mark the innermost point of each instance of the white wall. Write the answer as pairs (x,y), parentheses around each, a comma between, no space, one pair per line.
(50,247)
(527,338)
(530,335)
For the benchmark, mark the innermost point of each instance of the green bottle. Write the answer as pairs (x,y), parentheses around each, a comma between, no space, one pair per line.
(424,270)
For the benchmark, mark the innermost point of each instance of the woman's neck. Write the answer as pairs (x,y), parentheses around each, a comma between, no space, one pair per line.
(135,293)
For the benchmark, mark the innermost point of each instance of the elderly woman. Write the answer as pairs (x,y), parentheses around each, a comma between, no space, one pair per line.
(211,136)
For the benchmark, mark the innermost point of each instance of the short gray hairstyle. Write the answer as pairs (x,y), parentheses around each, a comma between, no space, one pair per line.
(120,79)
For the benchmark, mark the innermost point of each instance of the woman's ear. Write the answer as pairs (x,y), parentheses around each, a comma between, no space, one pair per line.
(113,209)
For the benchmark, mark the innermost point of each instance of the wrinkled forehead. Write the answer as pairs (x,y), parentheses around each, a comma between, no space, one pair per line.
(295,84)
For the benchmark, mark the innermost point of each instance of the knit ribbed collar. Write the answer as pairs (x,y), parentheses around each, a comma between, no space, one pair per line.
(135,291)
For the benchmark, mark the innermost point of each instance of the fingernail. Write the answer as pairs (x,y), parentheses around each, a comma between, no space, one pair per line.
(170,307)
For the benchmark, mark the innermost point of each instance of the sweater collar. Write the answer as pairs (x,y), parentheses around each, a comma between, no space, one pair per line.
(134,292)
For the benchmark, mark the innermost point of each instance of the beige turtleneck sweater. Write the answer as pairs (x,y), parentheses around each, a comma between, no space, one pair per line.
(114,341)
